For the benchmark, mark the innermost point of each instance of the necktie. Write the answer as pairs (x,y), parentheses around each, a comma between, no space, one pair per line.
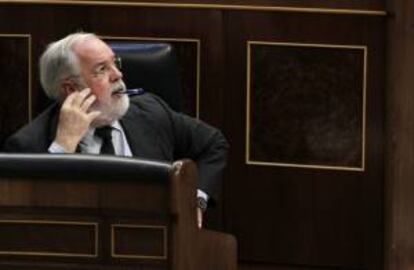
(105,133)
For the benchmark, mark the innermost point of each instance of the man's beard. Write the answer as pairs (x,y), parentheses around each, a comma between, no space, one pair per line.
(112,110)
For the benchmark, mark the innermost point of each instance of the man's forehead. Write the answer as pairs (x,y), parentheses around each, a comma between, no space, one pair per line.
(92,48)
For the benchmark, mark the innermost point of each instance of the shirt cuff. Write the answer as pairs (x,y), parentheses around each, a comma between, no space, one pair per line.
(202,194)
(55,148)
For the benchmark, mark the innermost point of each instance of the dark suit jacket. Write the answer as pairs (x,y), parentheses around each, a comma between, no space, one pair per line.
(153,131)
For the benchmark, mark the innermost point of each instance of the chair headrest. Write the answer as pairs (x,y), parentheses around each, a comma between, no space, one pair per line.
(153,67)
(81,165)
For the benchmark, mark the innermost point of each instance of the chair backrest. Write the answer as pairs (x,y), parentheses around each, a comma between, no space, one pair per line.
(104,167)
(153,67)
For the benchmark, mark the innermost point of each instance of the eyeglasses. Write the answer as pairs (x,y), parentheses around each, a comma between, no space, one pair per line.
(105,68)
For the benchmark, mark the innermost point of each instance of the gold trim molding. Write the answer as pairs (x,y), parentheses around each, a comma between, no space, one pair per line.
(134,226)
(197,41)
(54,254)
(342,11)
(29,67)
(248,107)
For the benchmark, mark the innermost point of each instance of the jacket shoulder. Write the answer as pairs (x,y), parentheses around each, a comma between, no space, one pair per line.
(148,101)
(34,136)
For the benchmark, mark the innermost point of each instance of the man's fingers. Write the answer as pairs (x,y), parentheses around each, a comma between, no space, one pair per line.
(92,115)
(199,218)
(80,97)
(87,103)
(69,99)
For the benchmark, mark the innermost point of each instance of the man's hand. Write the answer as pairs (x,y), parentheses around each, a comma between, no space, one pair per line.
(199,217)
(74,119)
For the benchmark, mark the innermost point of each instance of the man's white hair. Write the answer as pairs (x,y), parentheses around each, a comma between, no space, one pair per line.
(59,62)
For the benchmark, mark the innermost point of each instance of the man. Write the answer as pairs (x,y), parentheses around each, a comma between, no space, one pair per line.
(80,72)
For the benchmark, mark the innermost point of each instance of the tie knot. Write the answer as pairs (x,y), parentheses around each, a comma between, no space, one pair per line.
(105,133)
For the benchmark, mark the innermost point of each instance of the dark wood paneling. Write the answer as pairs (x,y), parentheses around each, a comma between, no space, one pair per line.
(313,4)
(48,238)
(117,195)
(305,216)
(264,266)
(306,105)
(400,137)
(14,77)
(189,68)
(139,241)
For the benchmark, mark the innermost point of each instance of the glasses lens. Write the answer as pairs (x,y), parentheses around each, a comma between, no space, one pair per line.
(118,62)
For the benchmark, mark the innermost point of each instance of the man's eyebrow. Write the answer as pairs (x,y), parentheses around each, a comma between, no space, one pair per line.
(98,66)
(100,63)
(104,62)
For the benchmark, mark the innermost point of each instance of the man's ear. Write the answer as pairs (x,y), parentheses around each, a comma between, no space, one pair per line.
(68,88)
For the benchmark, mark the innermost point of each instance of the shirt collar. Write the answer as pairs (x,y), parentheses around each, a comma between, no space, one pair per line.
(88,138)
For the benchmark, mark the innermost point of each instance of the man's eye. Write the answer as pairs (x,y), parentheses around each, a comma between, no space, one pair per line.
(101,69)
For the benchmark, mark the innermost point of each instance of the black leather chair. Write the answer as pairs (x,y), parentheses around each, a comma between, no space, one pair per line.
(77,166)
(153,67)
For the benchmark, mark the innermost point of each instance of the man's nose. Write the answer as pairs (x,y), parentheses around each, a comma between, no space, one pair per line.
(116,74)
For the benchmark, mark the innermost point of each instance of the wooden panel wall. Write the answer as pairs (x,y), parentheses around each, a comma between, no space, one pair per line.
(306,81)
(308,216)
(400,134)
(15,58)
